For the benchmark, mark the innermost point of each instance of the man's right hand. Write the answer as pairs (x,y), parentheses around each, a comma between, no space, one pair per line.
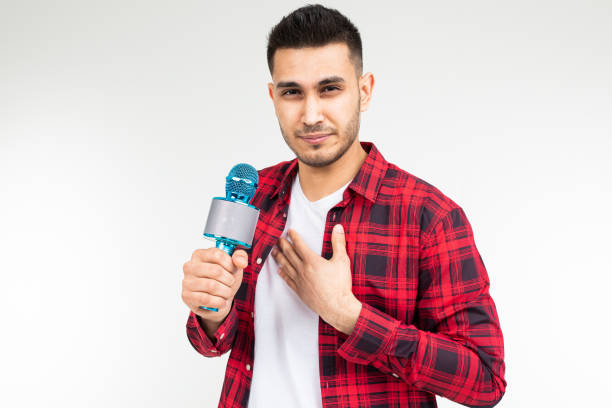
(212,279)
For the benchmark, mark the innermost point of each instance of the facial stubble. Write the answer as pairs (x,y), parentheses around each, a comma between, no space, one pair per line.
(350,131)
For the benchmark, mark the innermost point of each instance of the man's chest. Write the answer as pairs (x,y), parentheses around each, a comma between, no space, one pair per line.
(382,244)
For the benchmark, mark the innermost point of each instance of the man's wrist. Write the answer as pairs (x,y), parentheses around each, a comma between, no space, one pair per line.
(347,315)
(209,326)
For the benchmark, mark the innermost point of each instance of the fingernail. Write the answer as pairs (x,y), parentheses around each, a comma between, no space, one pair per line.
(339,228)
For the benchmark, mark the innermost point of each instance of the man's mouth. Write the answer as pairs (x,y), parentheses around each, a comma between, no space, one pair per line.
(315,137)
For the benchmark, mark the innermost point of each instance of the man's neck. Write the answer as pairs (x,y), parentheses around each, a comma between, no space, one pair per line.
(319,182)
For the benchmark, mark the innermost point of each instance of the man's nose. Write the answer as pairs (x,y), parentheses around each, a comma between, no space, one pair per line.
(313,112)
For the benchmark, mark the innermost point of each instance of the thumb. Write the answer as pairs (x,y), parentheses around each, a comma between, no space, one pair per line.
(240,259)
(338,241)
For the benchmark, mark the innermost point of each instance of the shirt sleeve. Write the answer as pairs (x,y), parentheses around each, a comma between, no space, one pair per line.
(455,346)
(223,338)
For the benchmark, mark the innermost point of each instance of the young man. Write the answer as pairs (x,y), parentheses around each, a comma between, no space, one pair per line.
(374,294)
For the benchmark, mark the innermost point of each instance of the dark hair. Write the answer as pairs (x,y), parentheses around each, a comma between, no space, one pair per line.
(315,26)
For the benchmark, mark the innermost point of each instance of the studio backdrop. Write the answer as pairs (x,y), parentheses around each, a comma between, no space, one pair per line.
(120,119)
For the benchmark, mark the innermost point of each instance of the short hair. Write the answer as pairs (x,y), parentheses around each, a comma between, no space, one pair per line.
(315,26)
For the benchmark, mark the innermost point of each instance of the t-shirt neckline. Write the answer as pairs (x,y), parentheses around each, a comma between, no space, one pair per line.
(323,202)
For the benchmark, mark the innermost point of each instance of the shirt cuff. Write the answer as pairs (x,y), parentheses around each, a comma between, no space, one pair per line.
(371,336)
(222,338)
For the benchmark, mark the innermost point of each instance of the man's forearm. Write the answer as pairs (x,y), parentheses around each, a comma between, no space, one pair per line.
(467,370)
(212,338)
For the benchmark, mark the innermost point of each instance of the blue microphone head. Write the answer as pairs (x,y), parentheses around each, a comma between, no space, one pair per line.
(241,183)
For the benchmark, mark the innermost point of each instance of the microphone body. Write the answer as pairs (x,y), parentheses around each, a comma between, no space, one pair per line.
(231,219)
(231,223)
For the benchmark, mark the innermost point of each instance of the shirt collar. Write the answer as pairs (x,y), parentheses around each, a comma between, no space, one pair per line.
(366,182)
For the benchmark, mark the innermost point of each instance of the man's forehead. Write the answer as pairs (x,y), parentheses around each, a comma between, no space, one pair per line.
(310,65)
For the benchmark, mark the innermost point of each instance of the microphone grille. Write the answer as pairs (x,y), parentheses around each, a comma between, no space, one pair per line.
(241,182)
(244,171)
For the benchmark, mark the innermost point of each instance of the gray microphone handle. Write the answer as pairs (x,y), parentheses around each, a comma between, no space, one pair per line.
(232,220)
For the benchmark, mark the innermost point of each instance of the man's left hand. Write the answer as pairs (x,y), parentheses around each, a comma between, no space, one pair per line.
(324,286)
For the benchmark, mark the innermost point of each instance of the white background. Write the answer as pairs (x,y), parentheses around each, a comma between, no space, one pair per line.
(120,119)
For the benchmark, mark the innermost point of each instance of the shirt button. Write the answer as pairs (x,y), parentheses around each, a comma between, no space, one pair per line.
(258,261)
(248,367)
(221,336)
(284,215)
(252,315)
(395,375)
(214,351)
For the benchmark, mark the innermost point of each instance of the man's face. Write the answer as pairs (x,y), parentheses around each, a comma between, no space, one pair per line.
(317,101)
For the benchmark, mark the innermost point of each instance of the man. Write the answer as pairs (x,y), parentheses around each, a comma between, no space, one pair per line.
(374,294)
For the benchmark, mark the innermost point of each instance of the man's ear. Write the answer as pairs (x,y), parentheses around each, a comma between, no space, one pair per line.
(366,87)
(271,90)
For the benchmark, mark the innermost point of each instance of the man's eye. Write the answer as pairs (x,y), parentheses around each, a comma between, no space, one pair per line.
(331,88)
(289,92)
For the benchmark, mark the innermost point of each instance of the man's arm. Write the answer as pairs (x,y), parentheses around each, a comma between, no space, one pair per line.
(457,349)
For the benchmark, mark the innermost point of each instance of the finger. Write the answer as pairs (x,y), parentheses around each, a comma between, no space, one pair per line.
(209,286)
(284,264)
(216,256)
(240,259)
(286,249)
(338,240)
(208,300)
(300,247)
(212,271)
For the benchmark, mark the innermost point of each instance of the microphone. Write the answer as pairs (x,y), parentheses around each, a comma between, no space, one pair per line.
(231,219)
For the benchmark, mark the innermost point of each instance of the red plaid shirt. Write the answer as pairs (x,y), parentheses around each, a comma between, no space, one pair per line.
(428,324)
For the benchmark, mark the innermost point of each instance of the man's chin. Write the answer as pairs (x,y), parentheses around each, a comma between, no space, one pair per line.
(317,160)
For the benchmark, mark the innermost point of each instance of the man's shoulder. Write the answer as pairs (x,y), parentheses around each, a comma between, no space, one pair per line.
(403,187)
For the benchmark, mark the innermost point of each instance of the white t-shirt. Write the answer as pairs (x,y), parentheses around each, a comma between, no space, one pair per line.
(286,360)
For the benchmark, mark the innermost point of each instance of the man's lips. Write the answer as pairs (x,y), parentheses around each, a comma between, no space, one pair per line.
(315,138)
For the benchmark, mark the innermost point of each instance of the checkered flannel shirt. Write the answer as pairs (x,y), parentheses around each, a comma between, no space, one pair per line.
(428,324)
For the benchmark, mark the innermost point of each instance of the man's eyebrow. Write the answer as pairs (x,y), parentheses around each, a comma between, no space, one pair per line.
(326,81)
